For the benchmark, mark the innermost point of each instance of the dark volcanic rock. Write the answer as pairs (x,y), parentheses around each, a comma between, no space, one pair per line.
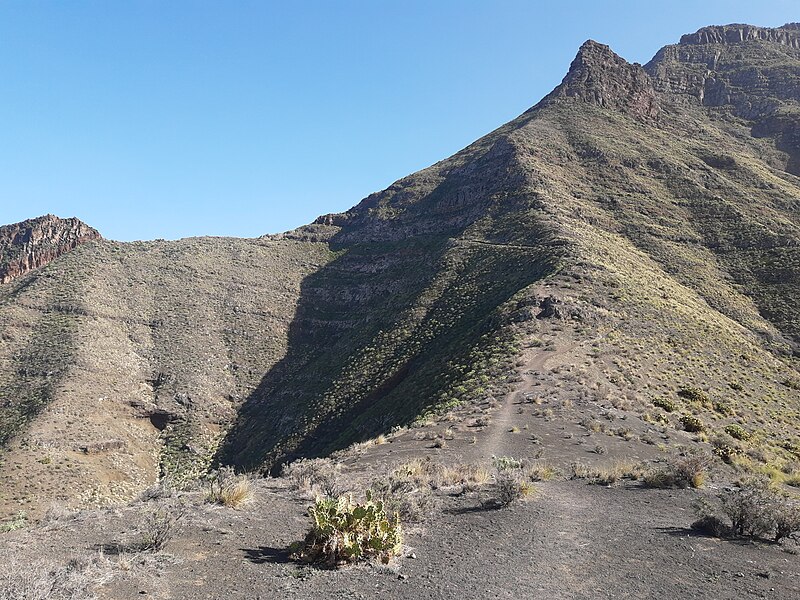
(36,242)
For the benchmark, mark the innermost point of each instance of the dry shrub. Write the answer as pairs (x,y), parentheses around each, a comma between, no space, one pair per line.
(157,529)
(607,474)
(25,580)
(409,498)
(541,472)
(687,468)
(755,508)
(510,482)
(164,488)
(314,476)
(511,486)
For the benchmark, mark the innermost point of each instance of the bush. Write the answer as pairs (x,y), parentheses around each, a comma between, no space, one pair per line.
(157,529)
(314,475)
(787,519)
(510,481)
(711,525)
(409,498)
(511,486)
(665,403)
(723,408)
(505,463)
(692,424)
(345,531)
(726,447)
(756,509)
(737,432)
(685,469)
(749,507)
(693,394)
(18,521)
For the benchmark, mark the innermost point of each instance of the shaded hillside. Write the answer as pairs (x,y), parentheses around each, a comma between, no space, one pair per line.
(645,221)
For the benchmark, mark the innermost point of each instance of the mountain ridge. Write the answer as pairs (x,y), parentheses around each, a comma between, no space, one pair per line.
(646,219)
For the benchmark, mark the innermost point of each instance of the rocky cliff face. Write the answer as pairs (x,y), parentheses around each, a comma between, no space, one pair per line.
(787,35)
(750,70)
(599,76)
(34,243)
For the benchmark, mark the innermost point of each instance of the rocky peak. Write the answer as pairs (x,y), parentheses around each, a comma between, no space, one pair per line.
(599,76)
(737,33)
(34,243)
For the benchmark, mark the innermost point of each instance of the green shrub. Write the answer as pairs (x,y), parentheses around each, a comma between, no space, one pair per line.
(665,403)
(693,394)
(692,423)
(726,447)
(738,432)
(18,521)
(723,408)
(504,463)
(343,530)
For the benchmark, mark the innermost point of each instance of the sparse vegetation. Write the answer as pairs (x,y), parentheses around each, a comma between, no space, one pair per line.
(47,581)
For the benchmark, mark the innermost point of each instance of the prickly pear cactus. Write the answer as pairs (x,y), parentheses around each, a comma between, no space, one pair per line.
(343,530)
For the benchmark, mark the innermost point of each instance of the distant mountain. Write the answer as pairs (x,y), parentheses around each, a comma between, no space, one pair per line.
(641,221)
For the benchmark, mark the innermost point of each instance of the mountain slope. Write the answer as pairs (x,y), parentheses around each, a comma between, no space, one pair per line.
(642,223)
(609,176)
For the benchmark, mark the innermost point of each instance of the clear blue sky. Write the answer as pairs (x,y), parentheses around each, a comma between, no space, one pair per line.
(156,119)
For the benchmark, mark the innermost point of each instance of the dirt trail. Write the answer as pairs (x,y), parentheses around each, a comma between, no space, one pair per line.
(496,437)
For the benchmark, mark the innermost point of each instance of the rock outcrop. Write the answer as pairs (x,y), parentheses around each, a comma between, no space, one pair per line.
(34,243)
(599,76)
(787,35)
